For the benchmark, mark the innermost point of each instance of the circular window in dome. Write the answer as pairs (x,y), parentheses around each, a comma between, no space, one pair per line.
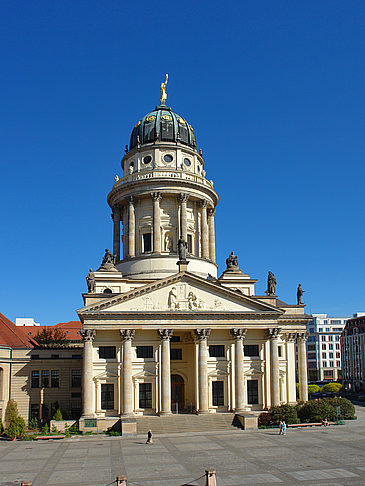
(147,159)
(166,117)
(150,118)
(168,158)
(187,162)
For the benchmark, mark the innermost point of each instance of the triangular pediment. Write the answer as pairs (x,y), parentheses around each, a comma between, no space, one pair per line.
(182,292)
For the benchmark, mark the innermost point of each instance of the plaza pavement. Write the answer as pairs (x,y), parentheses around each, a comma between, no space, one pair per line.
(315,456)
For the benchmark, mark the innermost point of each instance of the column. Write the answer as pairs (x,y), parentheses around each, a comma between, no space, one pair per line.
(183,224)
(156,196)
(165,335)
(204,229)
(290,368)
(88,402)
(127,385)
(302,366)
(116,234)
(131,228)
(273,335)
(125,231)
(211,229)
(239,335)
(202,335)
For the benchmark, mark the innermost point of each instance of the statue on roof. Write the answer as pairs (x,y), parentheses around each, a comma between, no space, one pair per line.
(271,284)
(300,293)
(232,261)
(163,96)
(108,262)
(90,280)
(182,249)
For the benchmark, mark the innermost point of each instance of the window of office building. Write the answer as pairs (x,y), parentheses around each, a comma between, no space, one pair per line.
(311,329)
(216,351)
(145,352)
(311,347)
(338,355)
(323,346)
(218,393)
(311,355)
(107,352)
(320,329)
(55,379)
(107,396)
(76,378)
(251,350)
(323,338)
(145,395)
(330,346)
(337,338)
(324,355)
(331,364)
(328,374)
(175,354)
(35,379)
(330,338)
(252,392)
(44,378)
(324,364)
(328,329)
(335,322)
(331,355)
(337,346)
(338,364)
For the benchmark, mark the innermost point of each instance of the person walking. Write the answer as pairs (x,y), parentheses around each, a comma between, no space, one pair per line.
(284,427)
(149,437)
(280,427)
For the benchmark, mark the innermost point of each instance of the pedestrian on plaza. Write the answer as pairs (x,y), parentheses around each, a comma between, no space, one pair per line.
(325,422)
(149,437)
(284,427)
(280,427)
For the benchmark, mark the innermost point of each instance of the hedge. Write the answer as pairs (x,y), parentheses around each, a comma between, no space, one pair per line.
(284,412)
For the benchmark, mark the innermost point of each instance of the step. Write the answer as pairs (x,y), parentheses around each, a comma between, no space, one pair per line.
(185,423)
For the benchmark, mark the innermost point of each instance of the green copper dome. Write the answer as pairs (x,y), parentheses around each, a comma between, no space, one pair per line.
(163,125)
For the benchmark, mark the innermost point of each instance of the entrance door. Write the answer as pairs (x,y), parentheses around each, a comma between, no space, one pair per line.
(177,394)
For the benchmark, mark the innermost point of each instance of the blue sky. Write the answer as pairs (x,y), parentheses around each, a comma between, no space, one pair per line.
(275,93)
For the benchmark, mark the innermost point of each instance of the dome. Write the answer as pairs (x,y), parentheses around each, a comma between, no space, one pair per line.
(164,125)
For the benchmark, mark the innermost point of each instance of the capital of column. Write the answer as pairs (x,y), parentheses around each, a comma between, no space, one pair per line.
(203,203)
(202,334)
(273,333)
(291,337)
(302,336)
(127,334)
(183,197)
(165,334)
(156,196)
(211,212)
(239,333)
(116,213)
(87,334)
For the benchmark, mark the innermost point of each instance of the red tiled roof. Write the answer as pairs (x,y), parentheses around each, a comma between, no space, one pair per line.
(70,329)
(10,335)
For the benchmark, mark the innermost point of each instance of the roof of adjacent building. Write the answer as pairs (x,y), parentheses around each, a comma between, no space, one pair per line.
(11,335)
(71,329)
(357,323)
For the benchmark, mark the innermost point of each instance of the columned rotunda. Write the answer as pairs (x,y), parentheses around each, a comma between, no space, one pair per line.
(162,332)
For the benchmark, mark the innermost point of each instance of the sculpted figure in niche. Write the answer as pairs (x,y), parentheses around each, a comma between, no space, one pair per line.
(172,300)
(169,244)
(271,284)
(90,280)
(182,248)
(232,261)
(300,292)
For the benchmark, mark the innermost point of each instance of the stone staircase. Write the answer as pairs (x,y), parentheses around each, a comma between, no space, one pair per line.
(172,424)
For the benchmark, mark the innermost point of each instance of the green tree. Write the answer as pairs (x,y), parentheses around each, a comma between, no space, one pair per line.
(51,338)
(313,389)
(11,411)
(331,388)
(16,427)
(57,415)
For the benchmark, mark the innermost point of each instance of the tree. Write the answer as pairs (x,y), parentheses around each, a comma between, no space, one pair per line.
(16,427)
(51,338)
(331,388)
(57,415)
(11,411)
(313,389)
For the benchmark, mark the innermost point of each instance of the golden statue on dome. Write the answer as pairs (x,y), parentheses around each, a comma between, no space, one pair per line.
(163,97)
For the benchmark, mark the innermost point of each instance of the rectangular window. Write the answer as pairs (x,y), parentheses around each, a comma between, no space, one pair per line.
(45,378)
(77,356)
(145,395)
(175,339)
(107,352)
(337,346)
(55,356)
(34,411)
(147,242)
(328,329)
(145,352)
(323,338)
(34,356)
(324,364)
(190,243)
(324,355)
(331,355)
(311,355)
(252,392)
(107,396)
(76,378)
(176,354)
(280,351)
(331,364)
(311,330)
(330,338)
(216,351)
(311,347)
(338,355)
(324,346)
(55,379)
(251,350)
(328,373)
(337,338)
(35,380)
(218,393)
(320,329)
(338,364)
(330,346)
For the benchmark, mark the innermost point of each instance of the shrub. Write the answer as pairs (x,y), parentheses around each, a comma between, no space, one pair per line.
(45,430)
(57,415)
(316,411)
(16,427)
(33,424)
(74,429)
(284,412)
(265,419)
(11,412)
(313,389)
(347,408)
(331,388)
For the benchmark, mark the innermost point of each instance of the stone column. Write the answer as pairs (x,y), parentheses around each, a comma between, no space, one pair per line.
(239,335)
(156,197)
(183,224)
(204,229)
(302,366)
(165,335)
(202,335)
(290,368)
(88,402)
(116,234)
(131,228)
(127,386)
(211,213)
(273,335)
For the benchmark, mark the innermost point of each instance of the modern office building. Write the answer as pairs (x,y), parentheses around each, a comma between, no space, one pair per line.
(353,353)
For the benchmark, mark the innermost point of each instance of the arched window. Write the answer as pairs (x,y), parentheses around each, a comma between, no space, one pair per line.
(107,291)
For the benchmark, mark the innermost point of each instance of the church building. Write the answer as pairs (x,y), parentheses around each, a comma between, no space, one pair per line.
(162,331)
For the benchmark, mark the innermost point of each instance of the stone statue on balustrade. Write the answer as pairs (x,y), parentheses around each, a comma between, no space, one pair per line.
(300,293)
(271,284)
(182,249)
(90,280)
(232,262)
(108,263)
